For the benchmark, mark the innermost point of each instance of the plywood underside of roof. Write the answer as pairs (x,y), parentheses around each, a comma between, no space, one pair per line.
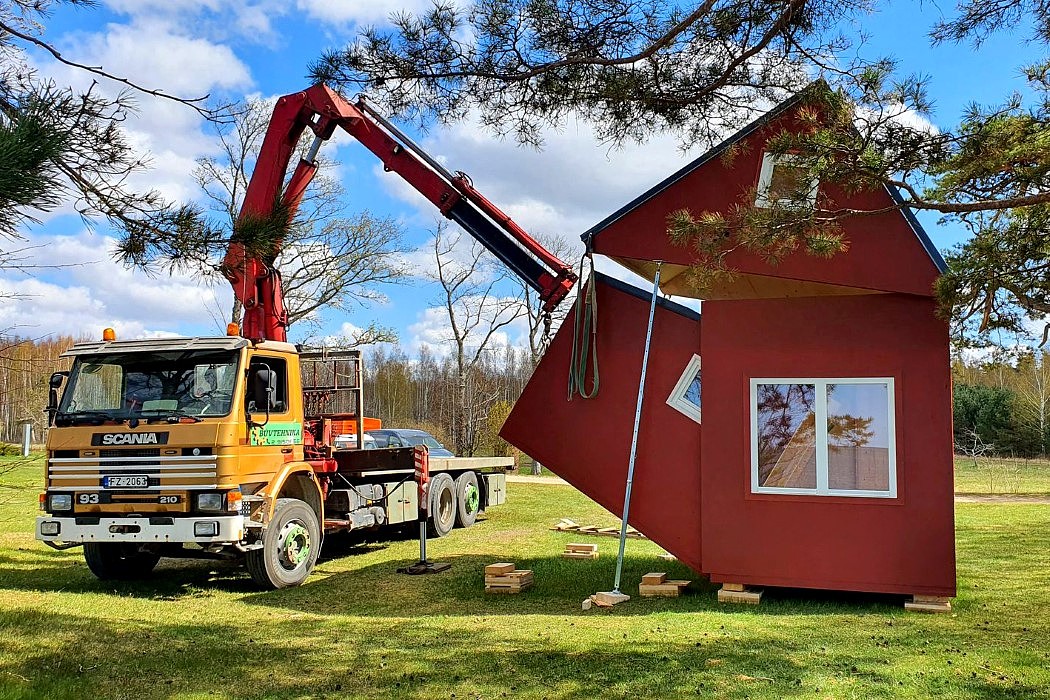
(673,280)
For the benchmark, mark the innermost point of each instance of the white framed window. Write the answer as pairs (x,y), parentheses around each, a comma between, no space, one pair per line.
(685,397)
(824,437)
(780,180)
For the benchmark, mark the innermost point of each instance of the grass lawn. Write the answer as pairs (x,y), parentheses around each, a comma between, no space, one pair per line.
(1002,475)
(358,629)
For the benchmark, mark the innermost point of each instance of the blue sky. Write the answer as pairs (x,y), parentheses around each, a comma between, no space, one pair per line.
(238,48)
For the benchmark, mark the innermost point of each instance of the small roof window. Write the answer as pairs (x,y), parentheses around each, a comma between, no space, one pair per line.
(781,181)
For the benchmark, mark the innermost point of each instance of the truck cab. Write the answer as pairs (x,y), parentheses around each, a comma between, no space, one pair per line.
(168,443)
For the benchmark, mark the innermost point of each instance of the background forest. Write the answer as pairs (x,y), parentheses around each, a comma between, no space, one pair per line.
(1002,399)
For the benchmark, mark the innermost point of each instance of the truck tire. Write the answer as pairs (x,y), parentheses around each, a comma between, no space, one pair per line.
(468,499)
(119,561)
(291,542)
(442,505)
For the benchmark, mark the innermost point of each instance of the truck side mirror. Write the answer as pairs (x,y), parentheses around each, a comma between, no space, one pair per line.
(54,384)
(264,388)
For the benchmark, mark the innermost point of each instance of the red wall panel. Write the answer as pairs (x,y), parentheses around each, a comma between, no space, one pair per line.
(587,441)
(902,545)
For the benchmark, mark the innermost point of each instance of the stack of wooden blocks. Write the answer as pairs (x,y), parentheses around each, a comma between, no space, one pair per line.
(504,578)
(739,593)
(657,584)
(575,550)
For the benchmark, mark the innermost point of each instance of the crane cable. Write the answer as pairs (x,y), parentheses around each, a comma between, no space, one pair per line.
(585,335)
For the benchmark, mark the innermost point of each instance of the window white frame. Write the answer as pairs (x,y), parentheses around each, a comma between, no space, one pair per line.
(765,179)
(677,399)
(821,411)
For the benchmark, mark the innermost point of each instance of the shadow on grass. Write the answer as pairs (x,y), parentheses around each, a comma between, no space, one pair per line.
(312,657)
(377,590)
(559,587)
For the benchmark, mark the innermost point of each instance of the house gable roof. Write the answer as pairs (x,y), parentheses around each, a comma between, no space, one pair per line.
(883,255)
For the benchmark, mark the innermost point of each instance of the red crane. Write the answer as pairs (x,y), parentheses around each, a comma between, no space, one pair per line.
(257,283)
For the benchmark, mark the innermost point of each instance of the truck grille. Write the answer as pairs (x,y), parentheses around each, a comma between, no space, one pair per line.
(166,473)
(133,452)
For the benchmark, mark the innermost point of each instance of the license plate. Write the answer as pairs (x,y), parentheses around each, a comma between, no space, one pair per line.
(125,482)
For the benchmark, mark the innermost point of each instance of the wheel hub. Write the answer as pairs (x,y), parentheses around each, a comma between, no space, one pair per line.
(293,545)
(473,498)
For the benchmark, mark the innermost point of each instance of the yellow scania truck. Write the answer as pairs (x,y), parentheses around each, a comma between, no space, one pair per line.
(217,447)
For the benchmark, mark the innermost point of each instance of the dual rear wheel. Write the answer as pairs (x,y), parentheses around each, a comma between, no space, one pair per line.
(453,502)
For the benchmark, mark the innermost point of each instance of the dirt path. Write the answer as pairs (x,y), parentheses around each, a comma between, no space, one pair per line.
(1019,498)
(1000,498)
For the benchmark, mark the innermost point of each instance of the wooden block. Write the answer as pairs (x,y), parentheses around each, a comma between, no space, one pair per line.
(609,598)
(928,604)
(733,587)
(498,569)
(748,596)
(654,579)
(581,547)
(512,578)
(508,589)
(579,555)
(667,589)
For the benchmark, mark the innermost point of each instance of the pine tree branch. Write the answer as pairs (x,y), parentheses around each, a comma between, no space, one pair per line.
(216,114)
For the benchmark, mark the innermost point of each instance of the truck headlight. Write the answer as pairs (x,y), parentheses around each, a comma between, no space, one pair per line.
(50,528)
(207,528)
(61,501)
(209,501)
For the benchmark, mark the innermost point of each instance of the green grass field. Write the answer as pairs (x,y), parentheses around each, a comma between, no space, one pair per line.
(358,629)
(1002,476)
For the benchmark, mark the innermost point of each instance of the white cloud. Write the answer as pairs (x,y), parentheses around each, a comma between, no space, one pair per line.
(156,54)
(564,189)
(433,330)
(218,19)
(79,289)
(345,12)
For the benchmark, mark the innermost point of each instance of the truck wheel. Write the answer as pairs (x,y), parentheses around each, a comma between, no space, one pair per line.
(290,545)
(468,499)
(118,561)
(442,505)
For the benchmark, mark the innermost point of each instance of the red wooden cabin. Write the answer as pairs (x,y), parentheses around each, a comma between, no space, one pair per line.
(819,452)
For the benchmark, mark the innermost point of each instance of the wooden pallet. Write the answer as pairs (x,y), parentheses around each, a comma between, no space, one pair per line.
(514,581)
(577,550)
(928,604)
(739,593)
(566,525)
(658,585)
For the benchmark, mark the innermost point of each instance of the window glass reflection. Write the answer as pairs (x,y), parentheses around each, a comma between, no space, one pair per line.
(787,455)
(858,437)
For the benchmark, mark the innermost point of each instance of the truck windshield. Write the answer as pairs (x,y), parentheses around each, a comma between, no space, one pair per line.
(122,386)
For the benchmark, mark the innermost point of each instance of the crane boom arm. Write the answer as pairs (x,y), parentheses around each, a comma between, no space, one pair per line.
(255,280)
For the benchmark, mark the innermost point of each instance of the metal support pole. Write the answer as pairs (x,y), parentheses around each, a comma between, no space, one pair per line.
(637,423)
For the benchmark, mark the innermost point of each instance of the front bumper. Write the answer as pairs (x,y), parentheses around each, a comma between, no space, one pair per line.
(230,529)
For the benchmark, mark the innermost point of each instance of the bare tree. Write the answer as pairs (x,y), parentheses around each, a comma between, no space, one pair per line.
(469,279)
(329,258)
(541,324)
